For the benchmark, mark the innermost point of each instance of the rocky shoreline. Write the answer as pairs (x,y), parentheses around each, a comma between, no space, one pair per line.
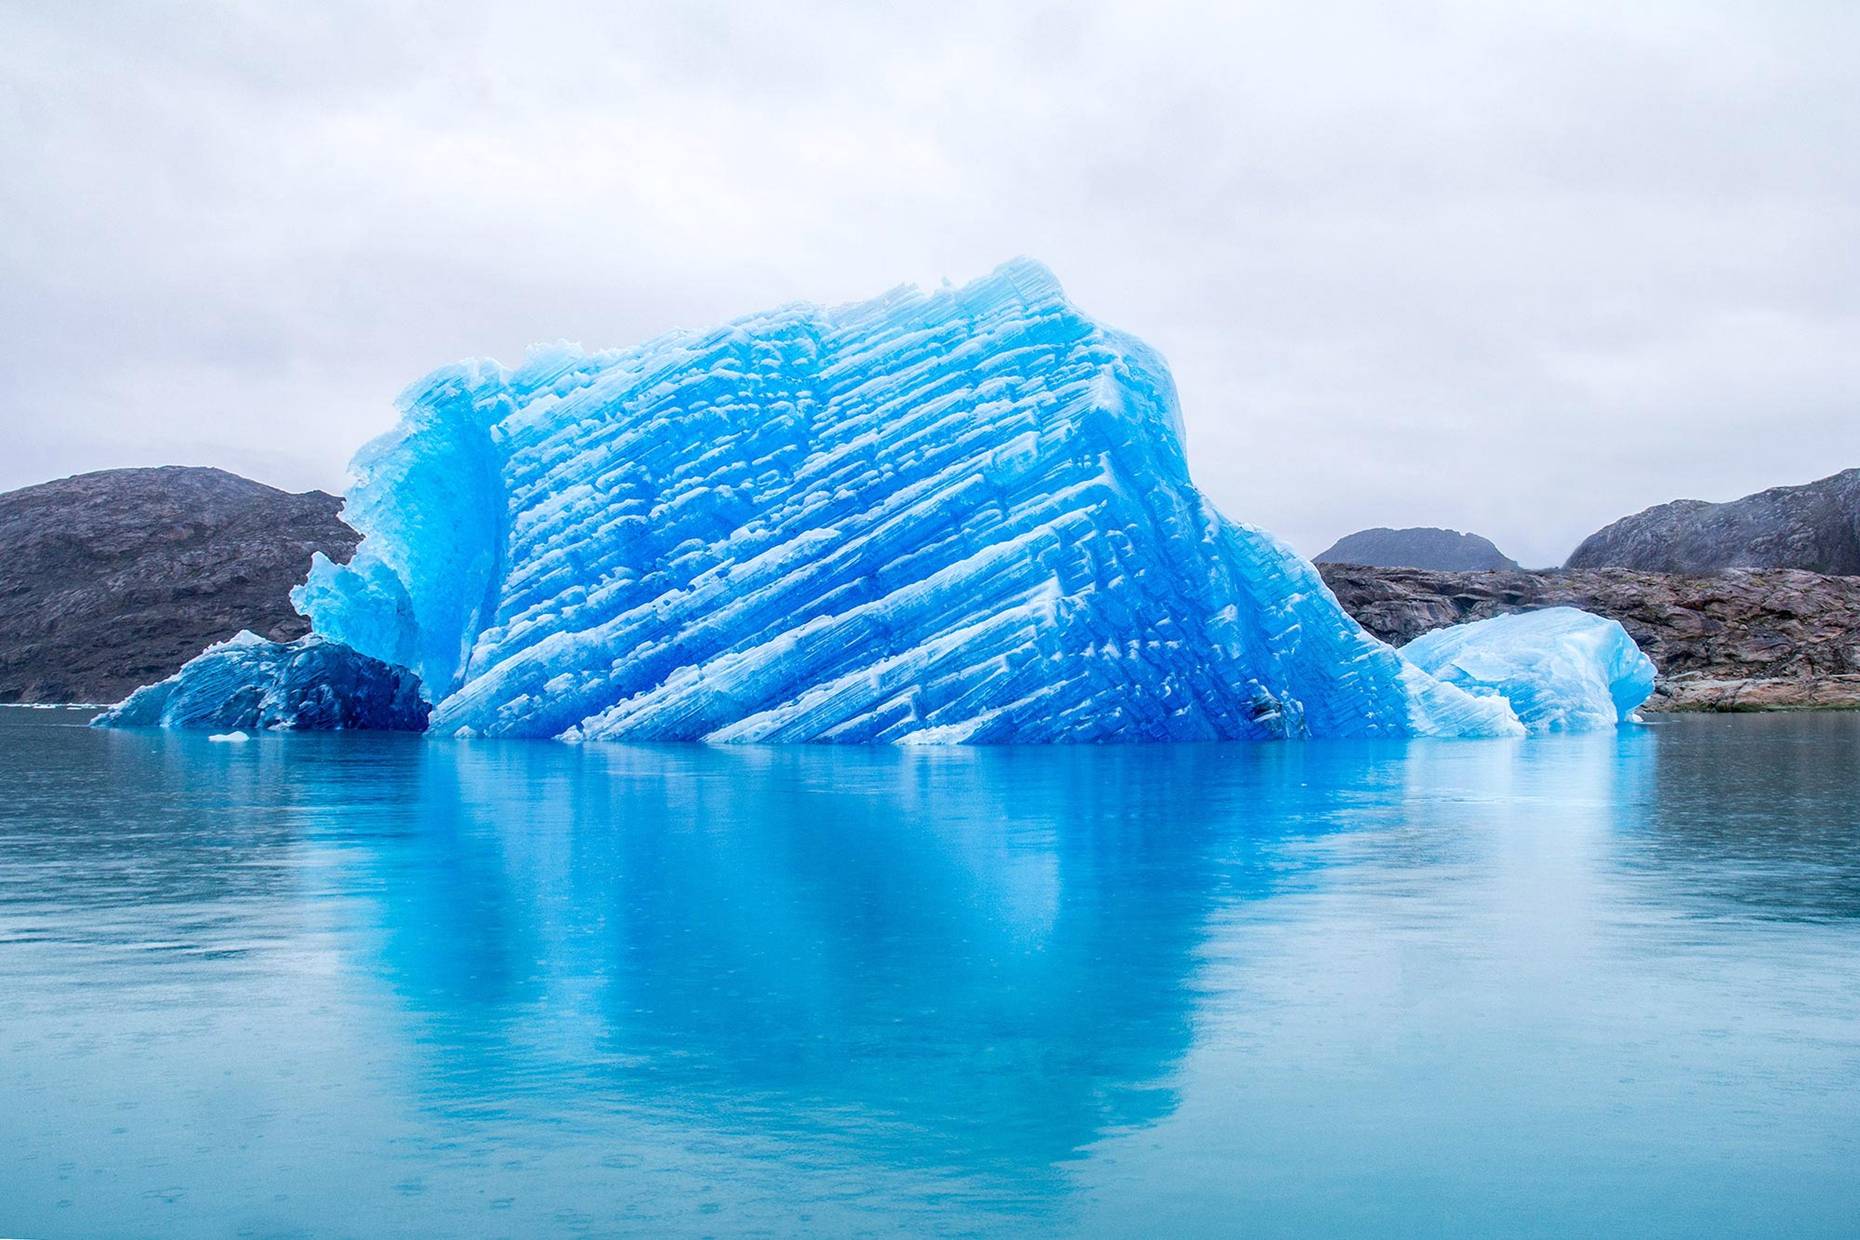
(1733,640)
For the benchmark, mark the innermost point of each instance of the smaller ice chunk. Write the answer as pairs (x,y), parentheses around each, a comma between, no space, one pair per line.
(246,684)
(1561,669)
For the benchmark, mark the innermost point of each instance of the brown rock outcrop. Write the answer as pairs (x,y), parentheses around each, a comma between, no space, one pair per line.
(1740,639)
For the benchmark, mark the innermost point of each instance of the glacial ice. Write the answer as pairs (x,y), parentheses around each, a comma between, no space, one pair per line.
(1560,669)
(961,515)
(952,516)
(246,683)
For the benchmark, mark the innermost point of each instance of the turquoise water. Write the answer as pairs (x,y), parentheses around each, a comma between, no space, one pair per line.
(376,986)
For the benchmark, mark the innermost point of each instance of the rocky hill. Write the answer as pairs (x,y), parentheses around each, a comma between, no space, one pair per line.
(111,580)
(1743,639)
(1814,527)
(1416,547)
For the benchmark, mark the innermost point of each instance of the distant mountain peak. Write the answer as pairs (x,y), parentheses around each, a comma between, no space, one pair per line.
(1420,546)
(1813,526)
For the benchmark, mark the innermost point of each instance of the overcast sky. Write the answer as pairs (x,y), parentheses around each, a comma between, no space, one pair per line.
(1514,268)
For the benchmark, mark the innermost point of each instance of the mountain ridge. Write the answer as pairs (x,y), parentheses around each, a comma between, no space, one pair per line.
(1813,526)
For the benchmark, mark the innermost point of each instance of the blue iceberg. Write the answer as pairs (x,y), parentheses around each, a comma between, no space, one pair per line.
(954,516)
(1559,669)
(935,517)
(247,682)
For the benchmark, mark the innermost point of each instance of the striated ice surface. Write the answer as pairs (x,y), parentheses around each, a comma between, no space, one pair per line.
(247,683)
(1560,669)
(961,515)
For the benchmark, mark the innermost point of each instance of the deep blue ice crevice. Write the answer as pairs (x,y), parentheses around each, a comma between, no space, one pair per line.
(430,495)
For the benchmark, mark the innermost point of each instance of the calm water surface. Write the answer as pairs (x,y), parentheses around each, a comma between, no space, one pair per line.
(378,986)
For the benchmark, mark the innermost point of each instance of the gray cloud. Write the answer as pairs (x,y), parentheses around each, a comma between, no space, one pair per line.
(1519,269)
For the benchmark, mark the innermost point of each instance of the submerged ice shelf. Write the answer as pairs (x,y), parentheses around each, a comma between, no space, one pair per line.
(250,683)
(955,516)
